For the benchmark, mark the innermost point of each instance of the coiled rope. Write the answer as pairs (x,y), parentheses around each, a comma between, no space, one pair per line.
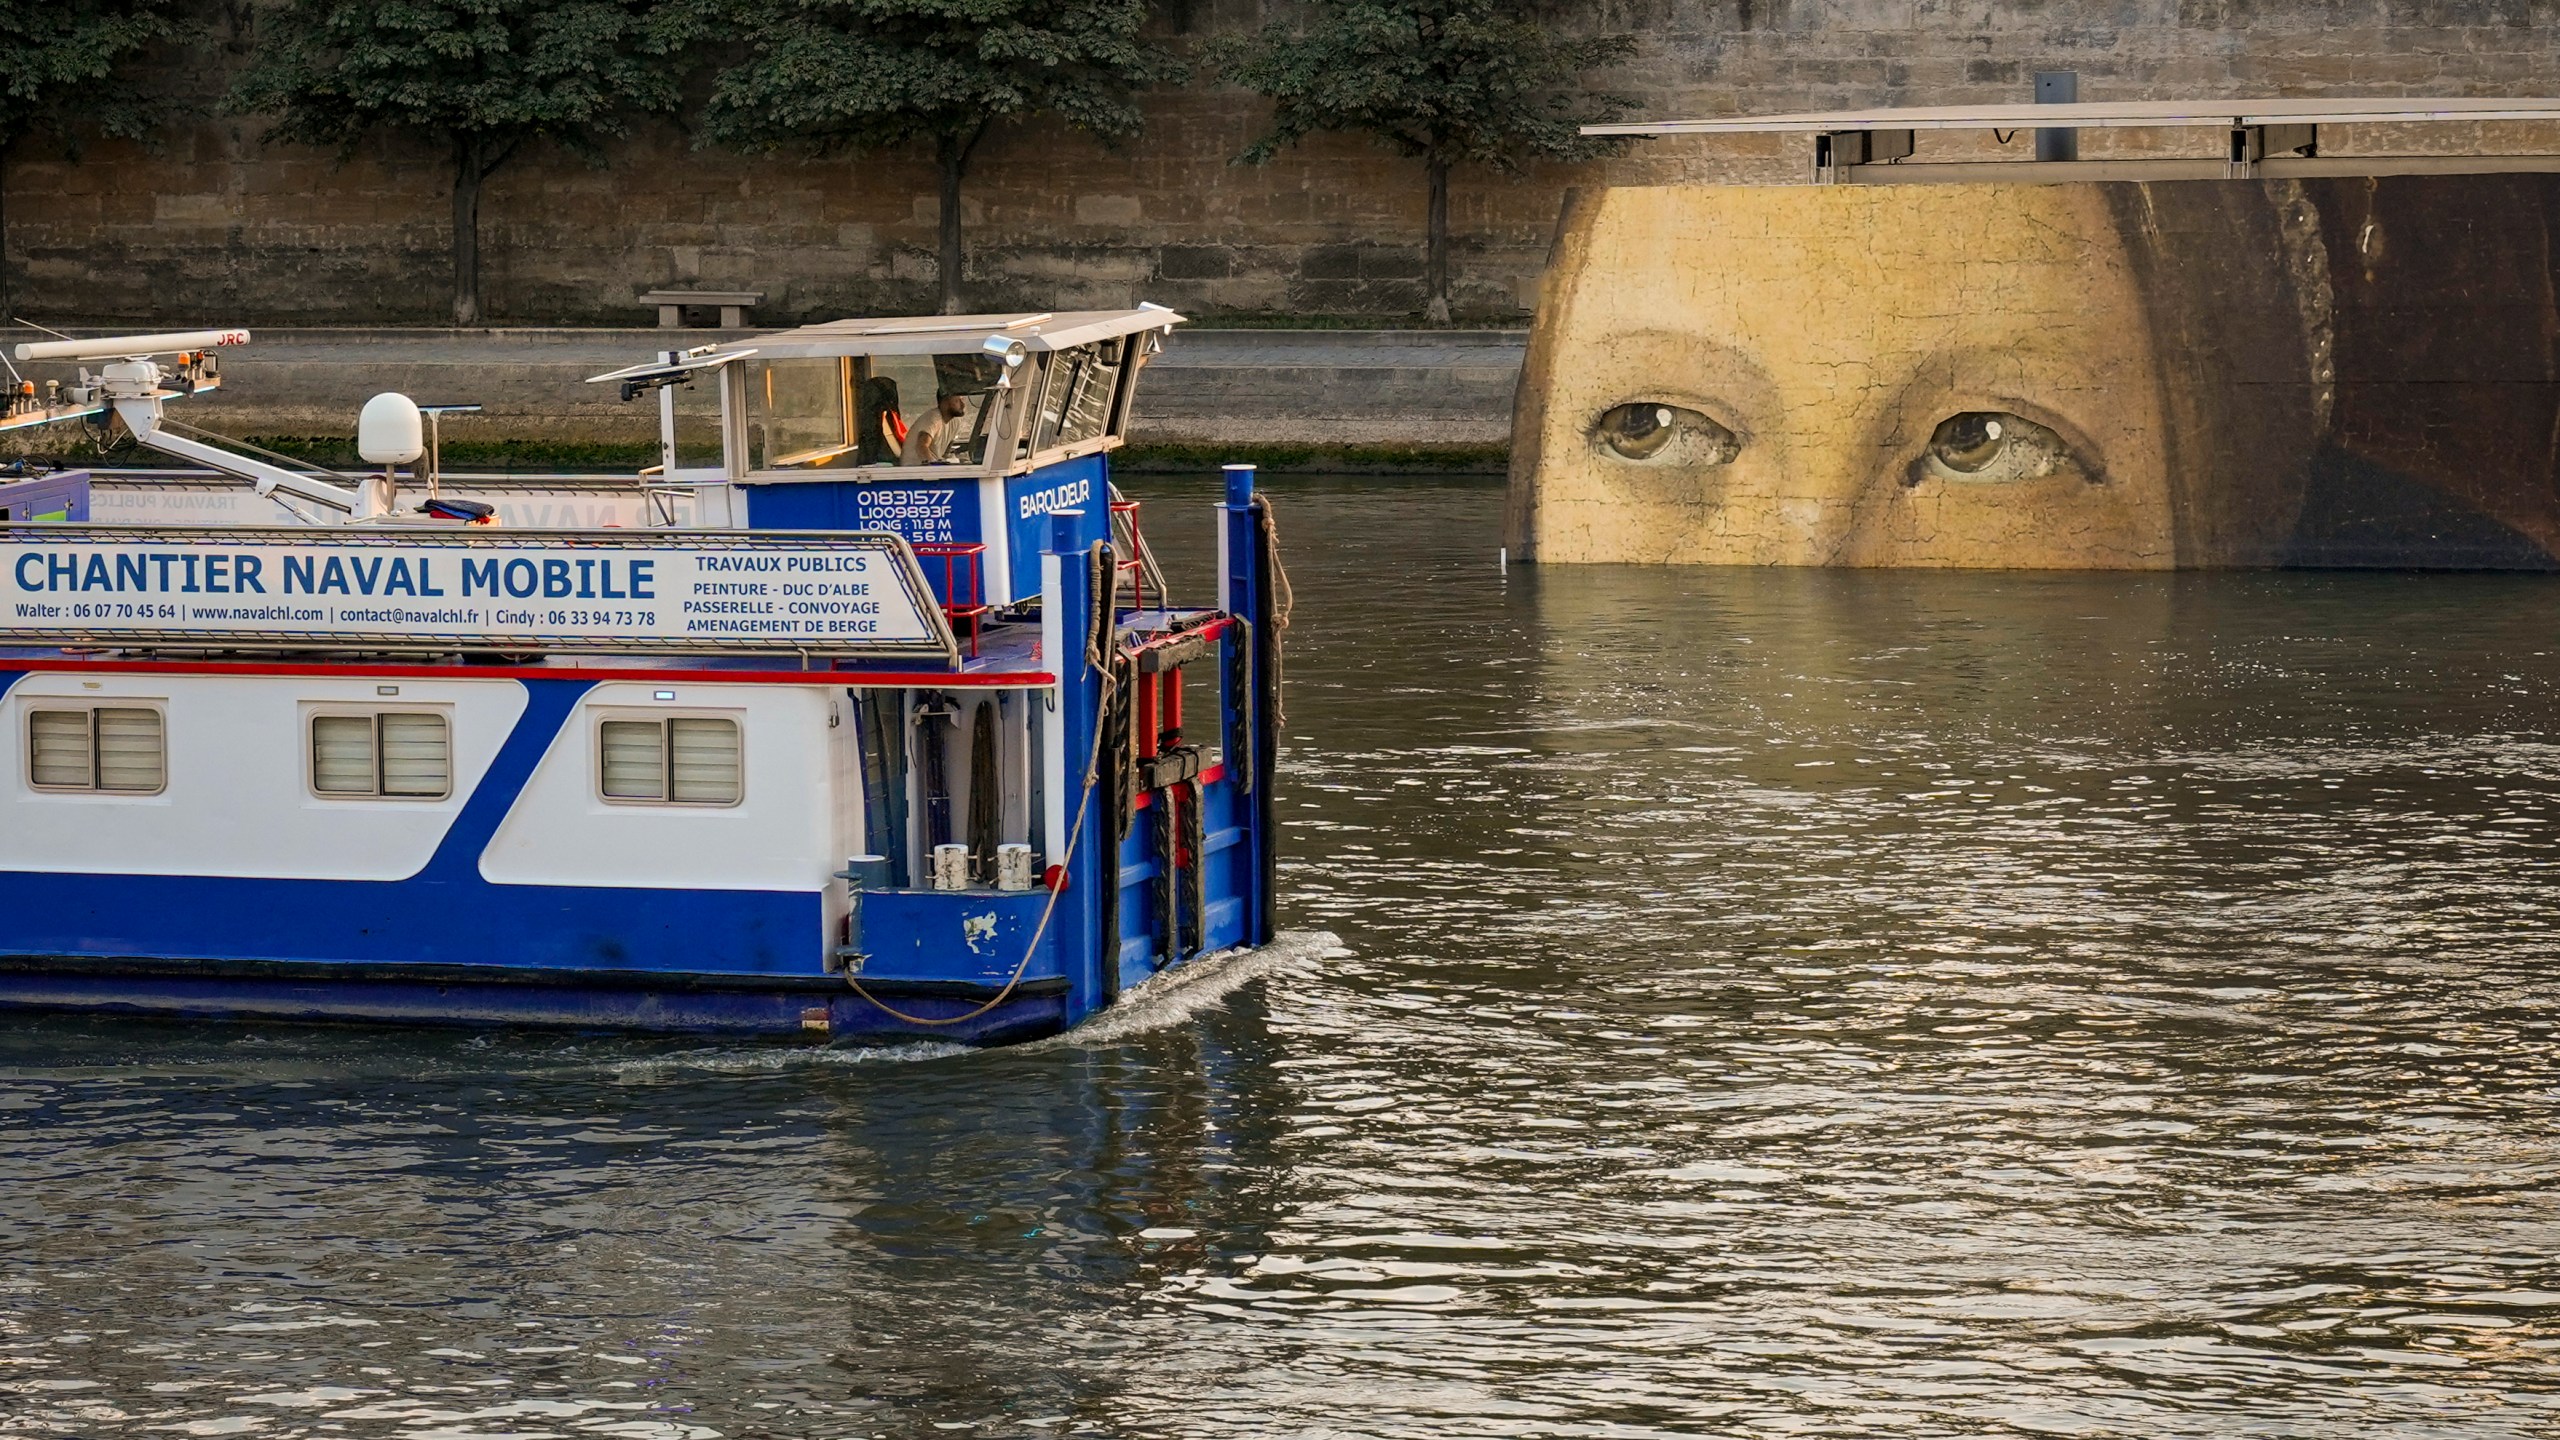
(1284,598)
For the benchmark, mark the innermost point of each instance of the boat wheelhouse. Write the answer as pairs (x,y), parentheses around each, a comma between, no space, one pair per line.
(877,727)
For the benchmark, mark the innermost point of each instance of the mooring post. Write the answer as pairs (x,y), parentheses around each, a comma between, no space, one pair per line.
(1243,589)
(1083,950)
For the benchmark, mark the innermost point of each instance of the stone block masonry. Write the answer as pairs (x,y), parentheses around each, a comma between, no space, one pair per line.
(213,225)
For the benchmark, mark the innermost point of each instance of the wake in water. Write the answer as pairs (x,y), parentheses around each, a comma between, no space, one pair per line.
(1177,995)
(770,1057)
(1169,999)
(106,1048)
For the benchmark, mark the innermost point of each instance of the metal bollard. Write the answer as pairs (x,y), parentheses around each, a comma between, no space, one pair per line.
(861,875)
(950,867)
(1013,867)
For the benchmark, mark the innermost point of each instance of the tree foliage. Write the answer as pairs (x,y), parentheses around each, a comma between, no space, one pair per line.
(1448,82)
(831,77)
(57,57)
(58,62)
(482,77)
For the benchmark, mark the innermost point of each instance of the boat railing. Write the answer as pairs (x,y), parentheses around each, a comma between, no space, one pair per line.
(963,589)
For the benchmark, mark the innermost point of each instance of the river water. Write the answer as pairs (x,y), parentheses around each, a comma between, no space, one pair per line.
(1765,1003)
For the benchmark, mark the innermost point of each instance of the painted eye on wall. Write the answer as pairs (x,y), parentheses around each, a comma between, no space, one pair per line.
(1992,447)
(1653,432)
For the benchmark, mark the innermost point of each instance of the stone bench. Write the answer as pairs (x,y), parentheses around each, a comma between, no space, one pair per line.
(732,304)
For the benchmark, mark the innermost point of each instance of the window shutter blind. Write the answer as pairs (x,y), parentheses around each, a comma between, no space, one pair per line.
(342,754)
(58,748)
(634,760)
(705,761)
(416,758)
(130,753)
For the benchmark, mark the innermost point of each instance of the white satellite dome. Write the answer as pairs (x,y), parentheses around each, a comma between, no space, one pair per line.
(389,430)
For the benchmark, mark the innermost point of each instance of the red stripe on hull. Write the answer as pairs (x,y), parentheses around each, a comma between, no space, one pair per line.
(698,675)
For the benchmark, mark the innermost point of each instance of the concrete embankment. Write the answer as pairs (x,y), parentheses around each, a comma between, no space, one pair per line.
(1293,398)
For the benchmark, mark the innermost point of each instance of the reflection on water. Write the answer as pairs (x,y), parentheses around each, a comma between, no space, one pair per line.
(1800,1003)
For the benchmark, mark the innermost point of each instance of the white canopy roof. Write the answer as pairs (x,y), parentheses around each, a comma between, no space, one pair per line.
(2105,114)
(945,334)
(909,335)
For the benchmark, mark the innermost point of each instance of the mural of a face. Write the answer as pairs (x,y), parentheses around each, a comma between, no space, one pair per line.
(1924,375)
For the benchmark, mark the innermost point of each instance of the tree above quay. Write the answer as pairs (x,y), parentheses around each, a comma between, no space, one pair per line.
(318,162)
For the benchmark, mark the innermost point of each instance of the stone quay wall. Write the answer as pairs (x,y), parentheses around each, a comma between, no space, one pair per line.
(1341,394)
(214,225)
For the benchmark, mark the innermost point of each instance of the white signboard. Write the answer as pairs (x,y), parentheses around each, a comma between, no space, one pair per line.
(222,500)
(469,589)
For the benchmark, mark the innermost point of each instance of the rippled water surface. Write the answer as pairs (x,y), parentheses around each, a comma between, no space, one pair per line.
(1766,1003)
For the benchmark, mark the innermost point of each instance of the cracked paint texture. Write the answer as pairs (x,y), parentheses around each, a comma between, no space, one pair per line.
(2160,362)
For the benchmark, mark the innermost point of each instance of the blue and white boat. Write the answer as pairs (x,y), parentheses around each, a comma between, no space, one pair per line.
(876,729)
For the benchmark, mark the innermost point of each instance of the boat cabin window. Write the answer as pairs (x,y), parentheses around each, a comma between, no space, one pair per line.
(1075,403)
(113,749)
(385,754)
(796,412)
(865,410)
(681,760)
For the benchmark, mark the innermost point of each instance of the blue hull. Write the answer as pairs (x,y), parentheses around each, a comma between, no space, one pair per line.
(816,1010)
(509,885)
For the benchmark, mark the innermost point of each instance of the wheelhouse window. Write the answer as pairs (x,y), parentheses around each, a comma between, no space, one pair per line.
(680,760)
(1076,406)
(388,754)
(109,749)
(799,413)
(866,410)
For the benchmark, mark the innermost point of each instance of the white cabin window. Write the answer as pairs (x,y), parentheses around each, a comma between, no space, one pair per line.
(117,750)
(870,410)
(1076,407)
(389,754)
(681,760)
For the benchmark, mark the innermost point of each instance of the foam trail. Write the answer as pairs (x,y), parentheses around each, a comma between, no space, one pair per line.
(772,1057)
(1179,994)
(1166,1000)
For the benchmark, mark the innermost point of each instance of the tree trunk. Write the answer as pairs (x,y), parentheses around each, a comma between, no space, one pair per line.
(467,175)
(8,313)
(951,155)
(1435,244)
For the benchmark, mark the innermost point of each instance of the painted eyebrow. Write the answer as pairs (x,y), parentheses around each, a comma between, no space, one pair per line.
(1714,353)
